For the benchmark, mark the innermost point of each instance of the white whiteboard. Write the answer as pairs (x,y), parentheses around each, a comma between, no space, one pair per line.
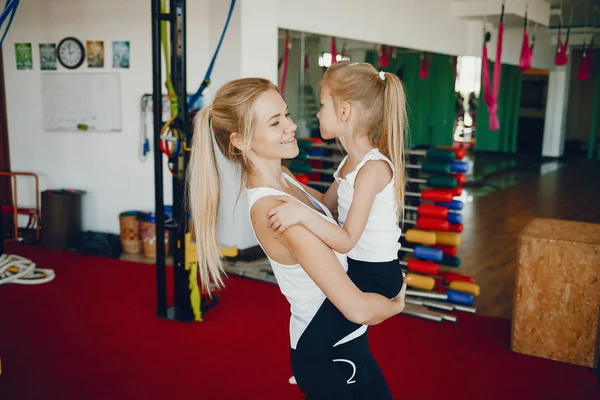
(82,102)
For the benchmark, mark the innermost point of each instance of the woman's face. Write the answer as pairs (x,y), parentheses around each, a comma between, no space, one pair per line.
(274,134)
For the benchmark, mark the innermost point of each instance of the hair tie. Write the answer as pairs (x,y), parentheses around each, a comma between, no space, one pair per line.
(382,75)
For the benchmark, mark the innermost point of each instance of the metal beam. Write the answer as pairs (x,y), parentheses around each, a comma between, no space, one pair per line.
(159,206)
(538,11)
(182,308)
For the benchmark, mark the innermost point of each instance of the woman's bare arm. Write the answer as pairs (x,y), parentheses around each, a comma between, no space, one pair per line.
(371,180)
(298,245)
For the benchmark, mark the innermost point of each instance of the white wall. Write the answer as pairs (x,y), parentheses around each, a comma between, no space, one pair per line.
(427,25)
(247,50)
(259,38)
(417,24)
(106,165)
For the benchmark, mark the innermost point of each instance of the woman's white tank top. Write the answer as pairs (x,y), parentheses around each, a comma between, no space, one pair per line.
(301,292)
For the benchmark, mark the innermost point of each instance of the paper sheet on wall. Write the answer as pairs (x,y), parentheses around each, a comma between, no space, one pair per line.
(81,102)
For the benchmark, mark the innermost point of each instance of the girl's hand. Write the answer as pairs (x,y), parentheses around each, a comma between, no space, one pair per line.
(290,213)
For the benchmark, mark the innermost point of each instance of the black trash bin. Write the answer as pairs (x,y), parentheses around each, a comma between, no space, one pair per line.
(61,218)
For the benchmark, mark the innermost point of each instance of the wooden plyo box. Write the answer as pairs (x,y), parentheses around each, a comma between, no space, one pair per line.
(556,309)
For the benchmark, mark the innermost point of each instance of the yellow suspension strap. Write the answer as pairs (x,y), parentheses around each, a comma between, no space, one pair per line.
(191,265)
(170,143)
(164,39)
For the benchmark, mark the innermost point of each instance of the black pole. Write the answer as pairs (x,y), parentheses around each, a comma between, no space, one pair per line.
(181,278)
(161,292)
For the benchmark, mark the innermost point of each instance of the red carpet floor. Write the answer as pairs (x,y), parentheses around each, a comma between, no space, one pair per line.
(92,334)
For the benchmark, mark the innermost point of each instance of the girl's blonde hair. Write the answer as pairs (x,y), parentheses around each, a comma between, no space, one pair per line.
(383,110)
(232,110)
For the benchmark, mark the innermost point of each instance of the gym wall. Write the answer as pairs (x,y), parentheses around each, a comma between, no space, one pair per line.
(579,114)
(400,24)
(106,165)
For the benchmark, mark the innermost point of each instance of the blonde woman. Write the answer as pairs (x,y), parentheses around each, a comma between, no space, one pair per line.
(251,125)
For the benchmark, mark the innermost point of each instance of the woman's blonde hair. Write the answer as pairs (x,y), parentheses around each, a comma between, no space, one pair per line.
(382,101)
(232,110)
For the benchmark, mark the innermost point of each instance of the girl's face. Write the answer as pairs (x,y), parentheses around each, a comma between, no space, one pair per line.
(274,135)
(329,122)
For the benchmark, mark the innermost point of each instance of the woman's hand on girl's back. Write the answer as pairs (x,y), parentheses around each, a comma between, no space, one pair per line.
(400,298)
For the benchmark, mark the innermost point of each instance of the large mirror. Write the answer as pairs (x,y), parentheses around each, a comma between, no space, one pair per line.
(442,90)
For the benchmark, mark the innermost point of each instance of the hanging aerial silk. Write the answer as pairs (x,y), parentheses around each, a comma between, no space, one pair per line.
(194,100)
(385,56)
(454,61)
(333,51)
(561,57)
(343,51)
(586,57)
(490,95)
(526,48)
(586,61)
(284,64)
(424,66)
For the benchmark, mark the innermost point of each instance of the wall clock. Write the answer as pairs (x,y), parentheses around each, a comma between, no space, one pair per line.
(70,53)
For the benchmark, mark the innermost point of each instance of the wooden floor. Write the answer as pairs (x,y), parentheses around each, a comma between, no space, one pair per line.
(493,223)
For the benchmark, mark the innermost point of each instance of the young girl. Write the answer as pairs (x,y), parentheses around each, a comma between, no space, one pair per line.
(330,356)
(366,111)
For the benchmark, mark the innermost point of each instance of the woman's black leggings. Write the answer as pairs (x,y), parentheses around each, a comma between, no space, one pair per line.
(347,371)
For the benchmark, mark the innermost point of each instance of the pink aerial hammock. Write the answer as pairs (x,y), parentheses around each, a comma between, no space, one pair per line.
(561,57)
(490,95)
(385,56)
(586,58)
(586,61)
(526,49)
(333,51)
(424,66)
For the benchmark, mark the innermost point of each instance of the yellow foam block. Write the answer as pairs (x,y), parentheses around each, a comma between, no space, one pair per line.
(229,251)
(421,282)
(466,287)
(417,236)
(448,238)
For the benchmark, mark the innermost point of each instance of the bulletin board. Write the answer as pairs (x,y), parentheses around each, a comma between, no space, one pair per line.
(84,102)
